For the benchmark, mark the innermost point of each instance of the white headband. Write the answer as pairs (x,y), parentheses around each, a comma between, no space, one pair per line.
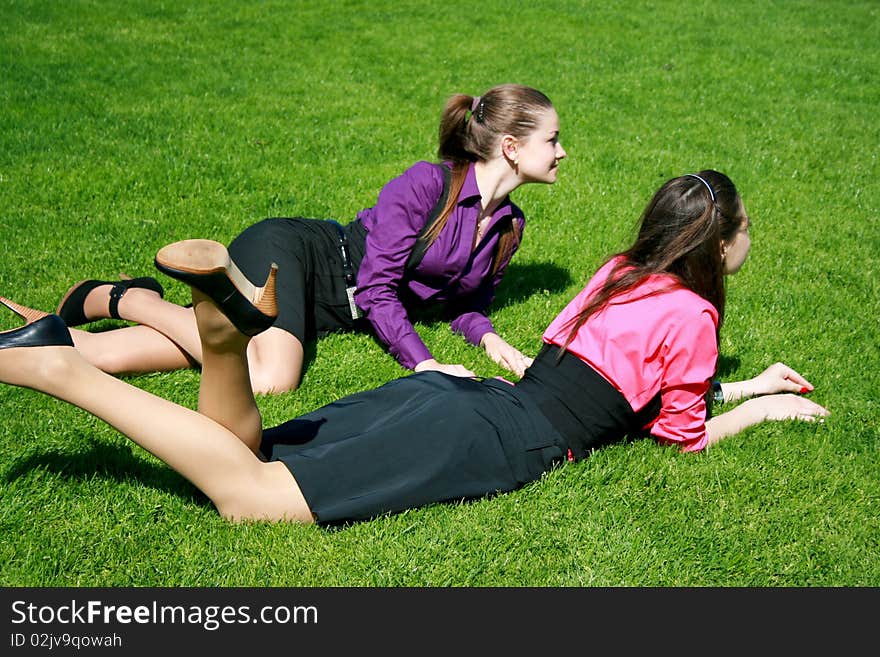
(708,186)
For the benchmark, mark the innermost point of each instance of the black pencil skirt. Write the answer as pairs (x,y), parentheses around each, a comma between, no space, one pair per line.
(310,285)
(424,438)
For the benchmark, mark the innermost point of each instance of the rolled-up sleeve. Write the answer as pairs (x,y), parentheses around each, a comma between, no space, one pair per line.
(690,356)
(401,213)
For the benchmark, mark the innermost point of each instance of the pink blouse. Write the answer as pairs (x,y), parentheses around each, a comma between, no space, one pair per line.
(645,343)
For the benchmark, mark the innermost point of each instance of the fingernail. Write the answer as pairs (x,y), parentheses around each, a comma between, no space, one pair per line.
(804,389)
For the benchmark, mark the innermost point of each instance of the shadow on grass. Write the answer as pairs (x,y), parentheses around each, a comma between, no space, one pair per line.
(520,282)
(523,280)
(110,462)
(726,365)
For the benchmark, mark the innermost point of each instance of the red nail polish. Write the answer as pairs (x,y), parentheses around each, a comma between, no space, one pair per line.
(804,389)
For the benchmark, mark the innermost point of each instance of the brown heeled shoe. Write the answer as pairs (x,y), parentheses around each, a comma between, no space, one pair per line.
(40,329)
(206,266)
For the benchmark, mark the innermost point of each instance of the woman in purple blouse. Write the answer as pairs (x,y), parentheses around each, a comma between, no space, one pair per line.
(440,235)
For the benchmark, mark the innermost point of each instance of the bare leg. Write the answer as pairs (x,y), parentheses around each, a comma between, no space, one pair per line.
(131,350)
(276,361)
(144,307)
(203,447)
(225,393)
(275,356)
(207,454)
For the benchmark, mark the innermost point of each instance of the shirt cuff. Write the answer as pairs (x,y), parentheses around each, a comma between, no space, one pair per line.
(411,351)
(473,326)
(695,444)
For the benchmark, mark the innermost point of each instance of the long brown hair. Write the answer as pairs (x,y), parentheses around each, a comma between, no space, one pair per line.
(680,235)
(470,128)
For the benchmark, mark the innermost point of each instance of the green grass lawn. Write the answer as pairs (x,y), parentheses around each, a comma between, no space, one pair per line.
(128,125)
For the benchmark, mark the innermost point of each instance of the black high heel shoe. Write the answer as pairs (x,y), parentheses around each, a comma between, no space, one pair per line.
(70,309)
(40,329)
(206,266)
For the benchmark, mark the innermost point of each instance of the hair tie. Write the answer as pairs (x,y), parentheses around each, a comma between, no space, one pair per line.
(708,186)
(477,106)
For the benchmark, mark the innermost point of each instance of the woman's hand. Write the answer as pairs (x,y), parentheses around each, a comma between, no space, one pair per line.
(779,377)
(786,407)
(453,370)
(505,355)
(759,409)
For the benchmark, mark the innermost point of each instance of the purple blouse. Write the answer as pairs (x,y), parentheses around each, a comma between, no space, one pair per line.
(449,272)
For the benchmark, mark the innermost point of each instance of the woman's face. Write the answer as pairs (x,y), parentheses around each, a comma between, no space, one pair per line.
(736,249)
(538,154)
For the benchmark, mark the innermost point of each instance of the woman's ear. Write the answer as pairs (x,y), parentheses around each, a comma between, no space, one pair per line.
(510,148)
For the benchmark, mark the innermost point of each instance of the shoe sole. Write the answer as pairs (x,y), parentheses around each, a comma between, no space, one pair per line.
(205,257)
(206,265)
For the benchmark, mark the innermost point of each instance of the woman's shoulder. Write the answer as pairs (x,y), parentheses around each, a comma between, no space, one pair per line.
(663,296)
(687,297)
(424,179)
(680,301)
(419,185)
(425,172)
(686,315)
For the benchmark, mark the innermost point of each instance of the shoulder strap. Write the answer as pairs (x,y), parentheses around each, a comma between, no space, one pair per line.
(418,252)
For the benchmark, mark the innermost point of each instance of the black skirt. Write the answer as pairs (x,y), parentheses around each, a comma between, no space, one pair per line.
(585,409)
(420,439)
(310,284)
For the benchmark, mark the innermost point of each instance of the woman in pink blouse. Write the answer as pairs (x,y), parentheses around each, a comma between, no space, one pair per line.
(440,235)
(634,353)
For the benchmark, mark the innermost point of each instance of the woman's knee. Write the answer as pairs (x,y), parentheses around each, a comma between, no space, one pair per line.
(267,380)
(275,361)
(110,361)
(270,495)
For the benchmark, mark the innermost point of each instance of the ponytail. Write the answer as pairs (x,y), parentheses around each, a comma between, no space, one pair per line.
(470,129)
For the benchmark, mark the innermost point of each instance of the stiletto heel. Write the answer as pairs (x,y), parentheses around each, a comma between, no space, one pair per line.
(40,329)
(206,266)
(28,314)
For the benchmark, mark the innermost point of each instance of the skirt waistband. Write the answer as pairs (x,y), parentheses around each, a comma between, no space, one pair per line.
(581,405)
